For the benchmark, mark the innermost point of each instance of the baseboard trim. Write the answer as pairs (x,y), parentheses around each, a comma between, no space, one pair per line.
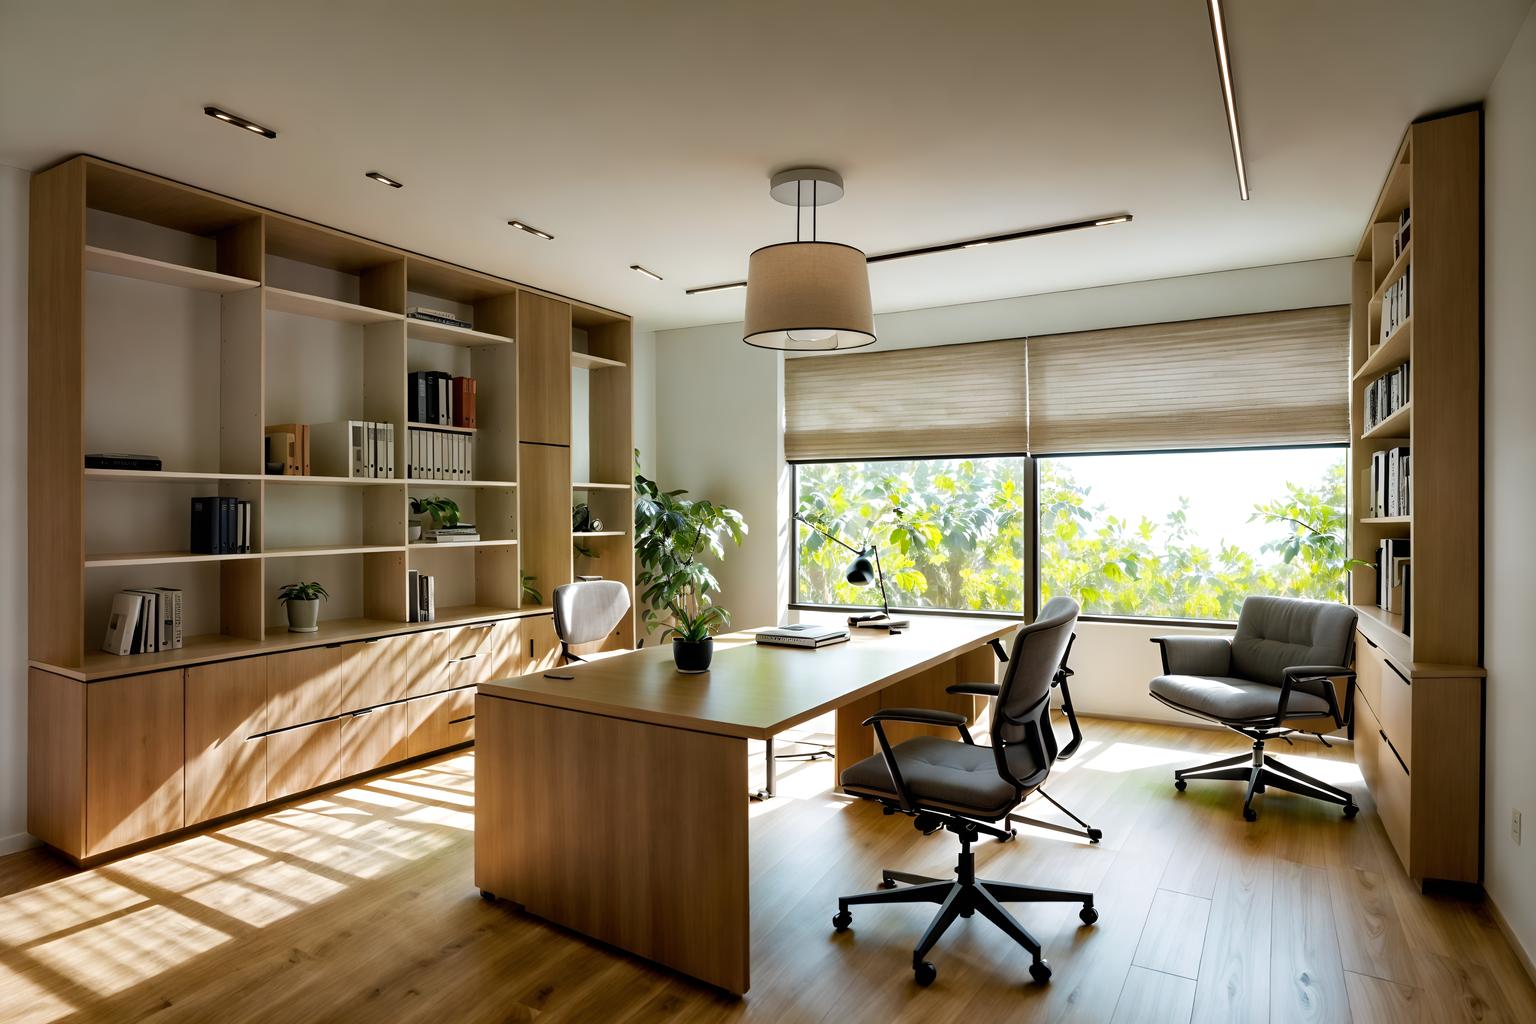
(1521,953)
(18,842)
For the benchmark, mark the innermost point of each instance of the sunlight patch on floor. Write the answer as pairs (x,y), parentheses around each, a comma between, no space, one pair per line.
(421,792)
(27,1003)
(446,817)
(125,951)
(34,914)
(1130,757)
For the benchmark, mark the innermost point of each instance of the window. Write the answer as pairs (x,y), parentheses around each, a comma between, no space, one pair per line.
(1189,535)
(959,543)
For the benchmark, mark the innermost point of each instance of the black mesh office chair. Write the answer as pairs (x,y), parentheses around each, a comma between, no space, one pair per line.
(967,789)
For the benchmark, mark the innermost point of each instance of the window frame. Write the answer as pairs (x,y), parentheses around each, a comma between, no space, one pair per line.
(1032,551)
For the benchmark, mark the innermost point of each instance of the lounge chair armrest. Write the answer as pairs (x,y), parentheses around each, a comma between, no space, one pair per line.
(917,716)
(975,689)
(1195,655)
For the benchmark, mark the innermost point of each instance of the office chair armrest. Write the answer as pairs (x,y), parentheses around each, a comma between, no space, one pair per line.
(917,716)
(1195,655)
(1301,673)
(975,689)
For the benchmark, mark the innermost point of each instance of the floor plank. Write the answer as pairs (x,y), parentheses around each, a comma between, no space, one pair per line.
(357,905)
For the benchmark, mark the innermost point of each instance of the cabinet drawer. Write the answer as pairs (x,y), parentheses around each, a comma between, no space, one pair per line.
(372,739)
(1394,797)
(306,686)
(464,641)
(379,671)
(440,720)
(1369,666)
(540,646)
(1396,710)
(303,758)
(1368,744)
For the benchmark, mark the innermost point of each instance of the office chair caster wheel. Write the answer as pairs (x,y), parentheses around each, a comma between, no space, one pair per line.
(1094,835)
(1249,814)
(489,897)
(1088,915)
(1040,971)
(1180,785)
(1350,810)
(841,920)
(924,972)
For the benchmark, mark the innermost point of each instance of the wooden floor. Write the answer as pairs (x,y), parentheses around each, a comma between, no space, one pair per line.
(358,905)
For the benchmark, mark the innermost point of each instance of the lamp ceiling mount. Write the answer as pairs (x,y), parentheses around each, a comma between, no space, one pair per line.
(806,186)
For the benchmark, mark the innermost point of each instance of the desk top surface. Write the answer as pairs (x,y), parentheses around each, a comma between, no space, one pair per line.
(754,690)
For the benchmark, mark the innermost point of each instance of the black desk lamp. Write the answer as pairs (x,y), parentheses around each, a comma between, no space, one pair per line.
(862,571)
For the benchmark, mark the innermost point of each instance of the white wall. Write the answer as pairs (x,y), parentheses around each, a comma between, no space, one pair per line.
(1509,471)
(720,412)
(13,509)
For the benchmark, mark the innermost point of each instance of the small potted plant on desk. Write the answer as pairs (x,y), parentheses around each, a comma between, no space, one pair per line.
(693,641)
(302,602)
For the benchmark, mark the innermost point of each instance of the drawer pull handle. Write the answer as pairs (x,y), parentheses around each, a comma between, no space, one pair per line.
(1368,640)
(469,657)
(1395,753)
(456,721)
(364,711)
(1394,668)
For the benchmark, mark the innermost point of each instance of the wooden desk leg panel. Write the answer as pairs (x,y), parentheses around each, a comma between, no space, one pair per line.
(633,834)
(855,741)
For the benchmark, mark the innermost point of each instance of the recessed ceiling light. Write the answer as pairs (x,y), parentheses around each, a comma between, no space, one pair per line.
(973,243)
(384,180)
(531,230)
(240,122)
(1228,96)
(637,268)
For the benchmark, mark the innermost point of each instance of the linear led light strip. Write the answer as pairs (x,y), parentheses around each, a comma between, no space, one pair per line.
(1228,97)
(970,243)
(240,122)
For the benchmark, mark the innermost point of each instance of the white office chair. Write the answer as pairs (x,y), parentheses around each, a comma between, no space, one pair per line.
(587,611)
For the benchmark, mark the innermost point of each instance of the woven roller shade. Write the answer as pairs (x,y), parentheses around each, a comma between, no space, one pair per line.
(1227,382)
(949,400)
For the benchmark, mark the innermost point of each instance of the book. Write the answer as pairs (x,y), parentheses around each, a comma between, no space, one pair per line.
(147,635)
(463,401)
(437,316)
(204,526)
(122,623)
(231,526)
(298,443)
(171,609)
(804,634)
(111,460)
(451,538)
(340,448)
(412,587)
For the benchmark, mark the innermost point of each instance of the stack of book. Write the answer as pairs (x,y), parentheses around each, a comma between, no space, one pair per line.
(440,455)
(220,526)
(440,399)
(420,596)
(1386,395)
(458,534)
(1391,491)
(288,449)
(1393,572)
(1401,235)
(1396,304)
(355,449)
(436,316)
(144,620)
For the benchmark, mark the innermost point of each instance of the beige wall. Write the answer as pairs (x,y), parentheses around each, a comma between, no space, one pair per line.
(13,509)
(1509,470)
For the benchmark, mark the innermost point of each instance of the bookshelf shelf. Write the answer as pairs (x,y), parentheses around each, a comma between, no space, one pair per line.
(427,485)
(160,558)
(442,427)
(1386,520)
(166,476)
(591,486)
(448,334)
(318,550)
(1398,426)
(126,264)
(282,300)
(583,361)
(1395,350)
(451,545)
(599,533)
(334,481)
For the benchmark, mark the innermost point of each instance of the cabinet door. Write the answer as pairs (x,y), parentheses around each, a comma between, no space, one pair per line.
(226,709)
(372,739)
(134,782)
(540,645)
(1368,670)
(1396,710)
(440,720)
(504,658)
(379,671)
(306,686)
(303,758)
(427,661)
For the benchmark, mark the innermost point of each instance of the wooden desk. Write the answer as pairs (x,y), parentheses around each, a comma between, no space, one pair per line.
(615,803)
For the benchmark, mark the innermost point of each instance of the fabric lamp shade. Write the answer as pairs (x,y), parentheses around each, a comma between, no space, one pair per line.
(808,297)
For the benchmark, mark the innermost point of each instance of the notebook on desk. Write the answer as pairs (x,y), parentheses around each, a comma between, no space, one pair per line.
(802,634)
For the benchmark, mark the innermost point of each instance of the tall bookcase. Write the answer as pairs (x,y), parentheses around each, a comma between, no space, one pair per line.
(172,321)
(1418,724)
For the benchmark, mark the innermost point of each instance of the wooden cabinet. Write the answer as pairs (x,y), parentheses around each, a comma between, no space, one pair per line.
(308,685)
(226,714)
(543,370)
(540,644)
(373,738)
(303,758)
(134,782)
(440,720)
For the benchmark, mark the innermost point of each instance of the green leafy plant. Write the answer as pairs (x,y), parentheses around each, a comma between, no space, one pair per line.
(698,626)
(302,592)
(444,511)
(530,592)
(672,534)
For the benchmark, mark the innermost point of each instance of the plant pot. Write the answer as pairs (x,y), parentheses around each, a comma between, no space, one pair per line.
(303,616)
(413,532)
(693,656)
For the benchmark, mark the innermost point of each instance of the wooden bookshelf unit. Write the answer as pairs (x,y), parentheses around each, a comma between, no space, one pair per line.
(1418,717)
(172,321)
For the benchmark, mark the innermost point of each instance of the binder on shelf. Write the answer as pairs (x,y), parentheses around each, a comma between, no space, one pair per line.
(147,636)
(340,448)
(230,523)
(122,623)
(412,586)
(297,461)
(464,401)
(205,526)
(171,608)
(283,451)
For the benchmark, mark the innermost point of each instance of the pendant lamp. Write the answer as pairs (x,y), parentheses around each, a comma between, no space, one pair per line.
(808,296)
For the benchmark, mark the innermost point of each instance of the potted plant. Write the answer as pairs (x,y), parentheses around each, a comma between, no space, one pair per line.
(302,603)
(693,642)
(672,533)
(439,511)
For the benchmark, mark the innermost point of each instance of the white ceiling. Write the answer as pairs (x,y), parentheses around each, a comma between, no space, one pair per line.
(646,132)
